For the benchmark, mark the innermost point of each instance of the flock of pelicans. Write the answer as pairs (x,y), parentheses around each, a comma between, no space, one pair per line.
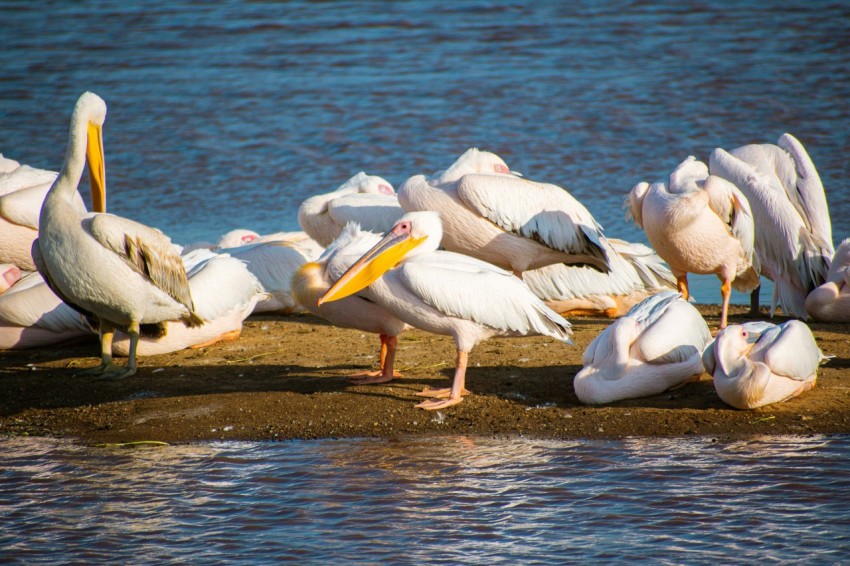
(473,251)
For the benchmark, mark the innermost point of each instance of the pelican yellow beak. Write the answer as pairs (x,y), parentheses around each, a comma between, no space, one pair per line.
(97,168)
(385,255)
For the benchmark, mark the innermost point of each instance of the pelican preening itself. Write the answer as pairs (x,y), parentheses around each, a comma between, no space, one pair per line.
(368,200)
(793,232)
(700,223)
(492,214)
(657,345)
(830,302)
(314,279)
(759,363)
(122,272)
(445,293)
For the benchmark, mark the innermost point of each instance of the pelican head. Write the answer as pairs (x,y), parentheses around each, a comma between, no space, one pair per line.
(474,160)
(87,123)
(414,233)
(732,345)
(369,184)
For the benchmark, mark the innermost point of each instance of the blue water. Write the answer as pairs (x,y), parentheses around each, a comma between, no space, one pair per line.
(228,114)
(447,500)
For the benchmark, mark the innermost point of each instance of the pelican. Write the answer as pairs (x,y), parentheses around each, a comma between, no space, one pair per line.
(759,363)
(368,200)
(445,293)
(224,293)
(700,224)
(315,278)
(830,302)
(657,345)
(122,272)
(793,231)
(490,213)
(636,273)
(32,316)
(22,191)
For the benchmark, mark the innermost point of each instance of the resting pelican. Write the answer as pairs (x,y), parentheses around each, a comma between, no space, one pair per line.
(636,273)
(445,293)
(656,346)
(793,231)
(490,213)
(32,316)
(368,200)
(315,278)
(22,191)
(759,363)
(830,302)
(224,293)
(700,224)
(122,272)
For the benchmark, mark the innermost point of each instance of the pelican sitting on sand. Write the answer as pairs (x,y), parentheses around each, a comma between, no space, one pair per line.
(120,271)
(492,214)
(315,278)
(656,346)
(445,293)
(759,363)
(699,224)
(368,200)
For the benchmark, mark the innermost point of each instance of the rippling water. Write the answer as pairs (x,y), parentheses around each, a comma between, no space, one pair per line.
(228,114)
(452,500)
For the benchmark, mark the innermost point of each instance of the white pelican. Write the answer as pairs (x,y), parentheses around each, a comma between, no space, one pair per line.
(32,316)
(759,363)
(224,293)
(656,346)
(699,224)
(22,191)
(7,165)
(830,302)
(368,200)
(122,272)
(490,213)
(793,231)
(315,278)
(445,293)
(636,273)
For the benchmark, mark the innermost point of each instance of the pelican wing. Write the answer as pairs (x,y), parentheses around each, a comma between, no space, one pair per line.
(374,212)
(672,330)
(30,302)
(809,197)
(730,204)
(539,211)
(146,250)
(22,207)
(788,349)
(25,177)
(273,263)
(647,264)
(220,284)
(464,287)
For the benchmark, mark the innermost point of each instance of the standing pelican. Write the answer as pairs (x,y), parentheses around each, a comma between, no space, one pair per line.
(656,346)
(759,363)
(700,224)
(830,302)
(224,294)
(490,213)
(121,271)
(315,278)
(636,273)
(445,293)
(793,233)
(368,200)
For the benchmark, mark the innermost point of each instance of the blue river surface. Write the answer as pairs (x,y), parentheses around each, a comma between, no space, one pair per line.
(229,114)
(451,500)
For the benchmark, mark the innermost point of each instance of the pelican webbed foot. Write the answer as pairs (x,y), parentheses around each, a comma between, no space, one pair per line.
(371,378)
(440,392)
(439,403)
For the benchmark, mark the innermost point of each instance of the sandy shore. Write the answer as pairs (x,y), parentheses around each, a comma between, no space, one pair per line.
(286,378)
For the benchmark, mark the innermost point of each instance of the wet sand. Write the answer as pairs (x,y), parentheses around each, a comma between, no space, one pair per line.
(286,378)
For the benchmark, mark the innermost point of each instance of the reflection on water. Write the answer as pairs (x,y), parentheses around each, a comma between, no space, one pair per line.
(228,114)
(452,499)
